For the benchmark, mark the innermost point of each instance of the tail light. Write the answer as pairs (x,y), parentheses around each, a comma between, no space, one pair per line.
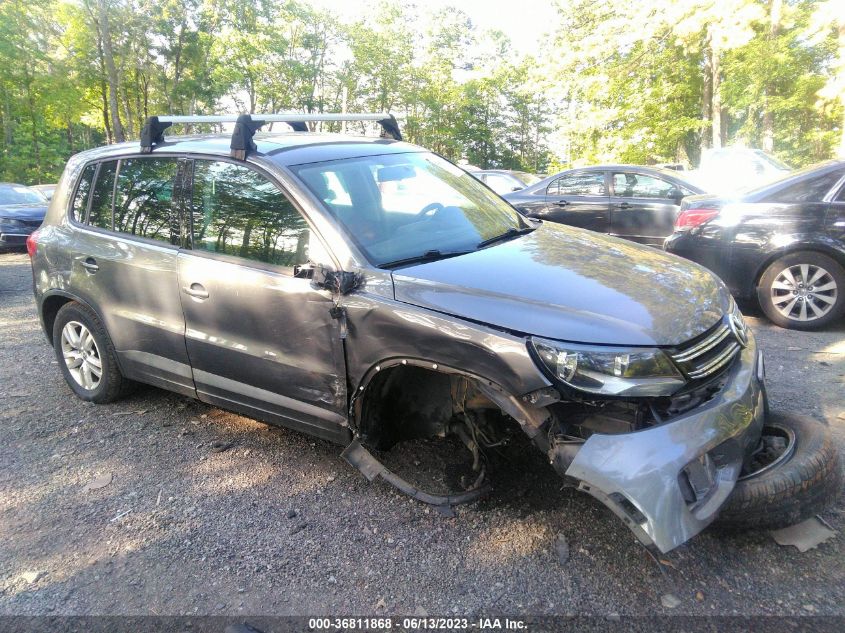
(32,243)
(691,218)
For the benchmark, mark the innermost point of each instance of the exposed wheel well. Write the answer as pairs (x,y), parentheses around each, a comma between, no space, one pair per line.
(408,402)
(49,309)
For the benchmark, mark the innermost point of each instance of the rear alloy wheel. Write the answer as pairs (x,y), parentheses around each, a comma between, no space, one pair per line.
(86,355)
(81,355)
(803,291)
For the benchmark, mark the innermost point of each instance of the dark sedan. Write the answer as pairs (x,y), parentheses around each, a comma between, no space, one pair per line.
(783,243)
(22,211)
(630,201)
(504,181)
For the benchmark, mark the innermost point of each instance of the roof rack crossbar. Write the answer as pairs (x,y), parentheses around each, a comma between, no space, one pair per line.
(246,125)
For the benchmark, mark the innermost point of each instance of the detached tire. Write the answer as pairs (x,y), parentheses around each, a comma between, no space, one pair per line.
(805,484)
(86,355)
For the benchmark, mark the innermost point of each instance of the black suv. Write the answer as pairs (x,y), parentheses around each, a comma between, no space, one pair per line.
(369,292)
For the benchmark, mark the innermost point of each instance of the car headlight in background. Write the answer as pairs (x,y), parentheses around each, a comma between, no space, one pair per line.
(610,371)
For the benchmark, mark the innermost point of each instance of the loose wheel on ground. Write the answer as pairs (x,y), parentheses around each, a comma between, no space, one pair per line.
(795,474)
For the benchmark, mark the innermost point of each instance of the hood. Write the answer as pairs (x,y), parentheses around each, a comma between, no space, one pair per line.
(23,211)
(572,285)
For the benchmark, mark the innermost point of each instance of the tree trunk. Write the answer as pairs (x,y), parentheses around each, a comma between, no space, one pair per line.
(768,140)
(36,146)
(716,96)
(111,70)
(841,71)
(706,100)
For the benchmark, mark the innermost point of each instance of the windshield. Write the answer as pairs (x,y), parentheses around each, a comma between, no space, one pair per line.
(19,194)
(402,206)
(774,162)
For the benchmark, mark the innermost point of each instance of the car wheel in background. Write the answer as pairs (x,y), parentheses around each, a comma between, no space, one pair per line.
(86,355)
(803,291)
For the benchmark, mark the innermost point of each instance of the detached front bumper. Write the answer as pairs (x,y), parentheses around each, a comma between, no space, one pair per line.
(668,482)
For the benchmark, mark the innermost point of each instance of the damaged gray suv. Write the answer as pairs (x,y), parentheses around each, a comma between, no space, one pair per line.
(369,292)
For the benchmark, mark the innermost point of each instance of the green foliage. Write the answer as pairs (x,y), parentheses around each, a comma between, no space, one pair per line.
(657,82)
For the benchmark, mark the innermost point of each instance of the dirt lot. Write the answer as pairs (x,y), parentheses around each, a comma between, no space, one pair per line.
(279,524)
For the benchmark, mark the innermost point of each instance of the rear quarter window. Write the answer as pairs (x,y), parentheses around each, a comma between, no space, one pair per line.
(79,205)
(100,214)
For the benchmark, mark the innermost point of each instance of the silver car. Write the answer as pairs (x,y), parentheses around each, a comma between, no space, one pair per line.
(366,291)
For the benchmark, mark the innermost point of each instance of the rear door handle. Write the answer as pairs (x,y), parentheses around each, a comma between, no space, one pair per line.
(197,291)
(90,264)
(624,205)
(561,203)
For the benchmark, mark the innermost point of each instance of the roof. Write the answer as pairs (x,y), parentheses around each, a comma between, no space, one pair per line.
(284,148)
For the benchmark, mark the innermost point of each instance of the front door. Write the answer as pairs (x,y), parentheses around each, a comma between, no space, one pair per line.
(260,338)
(578,199)
(643,207)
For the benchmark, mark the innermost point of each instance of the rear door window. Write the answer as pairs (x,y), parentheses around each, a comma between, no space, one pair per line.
(100,214)
(143,204)
(629,185)
(238,211)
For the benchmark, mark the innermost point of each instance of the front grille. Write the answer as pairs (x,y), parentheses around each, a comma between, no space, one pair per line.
(709,354)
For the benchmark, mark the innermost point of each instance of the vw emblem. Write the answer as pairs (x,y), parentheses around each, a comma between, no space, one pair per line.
(738,329)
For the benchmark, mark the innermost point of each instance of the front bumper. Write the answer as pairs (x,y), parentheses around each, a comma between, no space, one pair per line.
(644,477)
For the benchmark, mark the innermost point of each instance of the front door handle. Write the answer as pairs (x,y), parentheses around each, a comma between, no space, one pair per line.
(625,205)
(197,291)
(90,264)
(561,203)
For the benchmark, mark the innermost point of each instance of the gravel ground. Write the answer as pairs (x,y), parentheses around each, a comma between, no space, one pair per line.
(279,524)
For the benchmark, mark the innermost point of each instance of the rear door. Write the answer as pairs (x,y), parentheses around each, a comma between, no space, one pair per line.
(578,199)
(124,266)
(260,335)
(643,206)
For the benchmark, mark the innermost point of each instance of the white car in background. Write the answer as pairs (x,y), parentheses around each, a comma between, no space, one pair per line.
(729,169)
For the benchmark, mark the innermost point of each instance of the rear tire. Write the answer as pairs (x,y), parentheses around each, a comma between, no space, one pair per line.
(86,355)
(803,291)
(805,484)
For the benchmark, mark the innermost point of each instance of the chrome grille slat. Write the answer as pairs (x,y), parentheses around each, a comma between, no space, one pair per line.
(717,363)
(705,346)
(710,355)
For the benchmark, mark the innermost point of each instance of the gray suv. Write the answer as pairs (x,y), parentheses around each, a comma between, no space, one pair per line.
(369,292)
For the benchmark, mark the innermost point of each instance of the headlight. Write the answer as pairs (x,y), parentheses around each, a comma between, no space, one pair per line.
(610,371)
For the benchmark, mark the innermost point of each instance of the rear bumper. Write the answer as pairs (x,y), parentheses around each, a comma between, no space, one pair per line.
(647,477)
(13,240)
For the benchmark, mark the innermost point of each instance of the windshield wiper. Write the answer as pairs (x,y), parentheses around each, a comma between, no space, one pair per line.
(507,235)
(428,256)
